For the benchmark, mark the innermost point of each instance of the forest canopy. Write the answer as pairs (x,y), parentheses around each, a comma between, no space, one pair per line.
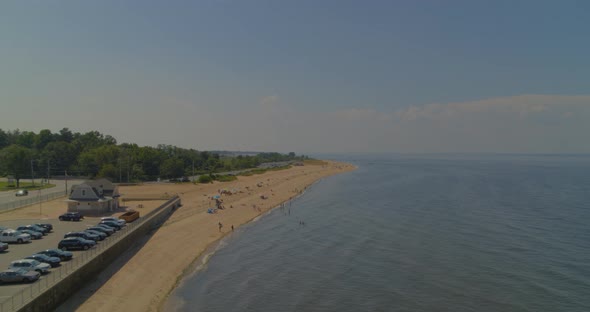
(92,154)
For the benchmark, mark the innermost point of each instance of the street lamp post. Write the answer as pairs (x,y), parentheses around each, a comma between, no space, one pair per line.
(40,203)
(32,173)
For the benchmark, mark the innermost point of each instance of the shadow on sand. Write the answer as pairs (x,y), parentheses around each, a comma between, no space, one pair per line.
(80,297)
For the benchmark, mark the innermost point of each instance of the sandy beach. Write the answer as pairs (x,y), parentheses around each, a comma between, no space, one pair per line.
(143,277)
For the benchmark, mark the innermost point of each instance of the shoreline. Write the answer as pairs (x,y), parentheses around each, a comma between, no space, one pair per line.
(145,279)
(195,267)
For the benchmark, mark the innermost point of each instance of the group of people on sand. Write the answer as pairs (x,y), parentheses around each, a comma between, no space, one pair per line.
(219,205)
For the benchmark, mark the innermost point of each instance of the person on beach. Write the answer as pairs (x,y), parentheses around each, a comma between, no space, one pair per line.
(220,226)
(232,227)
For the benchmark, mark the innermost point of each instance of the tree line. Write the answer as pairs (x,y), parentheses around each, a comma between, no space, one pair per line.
(24,154)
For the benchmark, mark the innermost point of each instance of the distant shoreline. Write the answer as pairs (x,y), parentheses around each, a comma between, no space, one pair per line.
(154,271)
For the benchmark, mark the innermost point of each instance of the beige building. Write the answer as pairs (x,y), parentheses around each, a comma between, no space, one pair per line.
(94,197)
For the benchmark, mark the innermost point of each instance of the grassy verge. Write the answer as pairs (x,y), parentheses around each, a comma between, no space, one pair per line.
(4,186)
(208,178)
(261,171)
(224,178)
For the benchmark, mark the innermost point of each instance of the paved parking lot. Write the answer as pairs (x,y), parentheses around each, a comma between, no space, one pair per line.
(19,251)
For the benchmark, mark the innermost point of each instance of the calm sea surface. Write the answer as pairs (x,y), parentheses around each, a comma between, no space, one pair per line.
(413,233)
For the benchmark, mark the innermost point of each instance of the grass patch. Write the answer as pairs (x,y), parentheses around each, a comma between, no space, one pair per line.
(4,186)
(252,172)
(224,178)
(205,178)
(261,171)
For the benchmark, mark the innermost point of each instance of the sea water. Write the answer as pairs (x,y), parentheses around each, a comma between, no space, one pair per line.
(413,233)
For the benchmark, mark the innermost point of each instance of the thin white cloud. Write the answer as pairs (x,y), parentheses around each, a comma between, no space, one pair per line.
(523,106)
(527,123)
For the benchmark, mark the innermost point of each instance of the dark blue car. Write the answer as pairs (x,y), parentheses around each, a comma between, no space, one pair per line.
(71,216)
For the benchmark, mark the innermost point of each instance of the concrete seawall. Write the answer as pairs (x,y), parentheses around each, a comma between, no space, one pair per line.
(50,298)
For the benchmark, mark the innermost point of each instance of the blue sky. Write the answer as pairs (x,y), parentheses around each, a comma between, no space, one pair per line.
(291,75)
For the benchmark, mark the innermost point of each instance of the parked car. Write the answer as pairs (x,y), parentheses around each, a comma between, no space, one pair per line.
(101,235)
(108,231)
(75,243)
(30,265)
(121,222)
(52,261)
(21,193)
(48,226)
(61,254)
(35,228)
(12,236)
(112,224)
(114,229)
(19,276)
(71,216)
(84,235)
(34,234)
(3,246)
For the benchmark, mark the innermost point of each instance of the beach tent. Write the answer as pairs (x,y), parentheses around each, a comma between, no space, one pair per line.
(216,197)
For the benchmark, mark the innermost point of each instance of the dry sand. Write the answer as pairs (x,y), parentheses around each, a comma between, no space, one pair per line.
(148,272)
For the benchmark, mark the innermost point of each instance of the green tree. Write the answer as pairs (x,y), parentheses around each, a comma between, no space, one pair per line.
(172,168)
(137,173)
(3,139)
(26,139)
(59,156)
(150,159)
(108,171)
(90,162)
(43,138)
(66,135)
(91,140)
(15,160)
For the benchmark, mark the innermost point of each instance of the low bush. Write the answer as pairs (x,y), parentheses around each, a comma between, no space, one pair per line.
(205,179)
(225,178)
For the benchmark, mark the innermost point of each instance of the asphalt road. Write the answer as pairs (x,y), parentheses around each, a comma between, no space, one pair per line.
(20,251)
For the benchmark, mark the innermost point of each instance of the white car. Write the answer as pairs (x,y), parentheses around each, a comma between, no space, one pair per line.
(12,236)
(30,265)
(119,221)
